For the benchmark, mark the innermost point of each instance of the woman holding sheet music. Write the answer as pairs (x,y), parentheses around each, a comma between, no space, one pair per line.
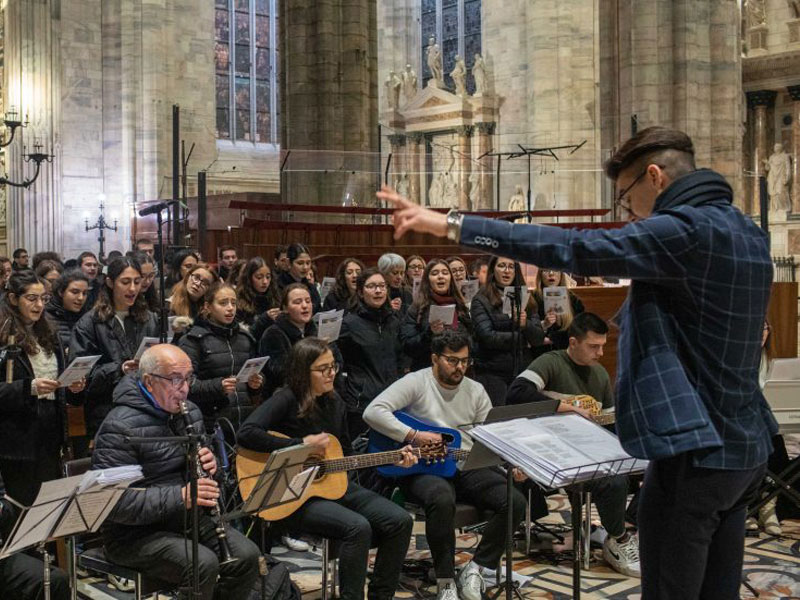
(505,348)
(437,288)
(113,329)
(555,326)
(218,347)
(32,413)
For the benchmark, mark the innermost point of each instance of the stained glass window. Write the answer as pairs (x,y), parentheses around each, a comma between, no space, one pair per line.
(246,65)
(456,26)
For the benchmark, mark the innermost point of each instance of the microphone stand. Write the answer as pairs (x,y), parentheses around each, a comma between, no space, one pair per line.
(163,319)
(192,443)
(516,329)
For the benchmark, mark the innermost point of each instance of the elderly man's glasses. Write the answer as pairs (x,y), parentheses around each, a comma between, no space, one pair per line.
(176,380)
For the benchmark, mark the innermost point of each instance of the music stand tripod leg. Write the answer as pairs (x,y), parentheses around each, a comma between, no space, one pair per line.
(577,514)
(508,586)
(46,562)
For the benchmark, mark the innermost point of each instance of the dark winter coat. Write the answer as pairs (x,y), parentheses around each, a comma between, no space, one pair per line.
(285,279)
(63,320)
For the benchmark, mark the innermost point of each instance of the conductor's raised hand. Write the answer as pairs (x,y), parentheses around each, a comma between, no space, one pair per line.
(412,217)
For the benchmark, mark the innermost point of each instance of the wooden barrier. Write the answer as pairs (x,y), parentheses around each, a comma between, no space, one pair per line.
(606,302)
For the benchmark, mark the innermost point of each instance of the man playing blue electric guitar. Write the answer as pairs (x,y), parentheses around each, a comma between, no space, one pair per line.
(443,396)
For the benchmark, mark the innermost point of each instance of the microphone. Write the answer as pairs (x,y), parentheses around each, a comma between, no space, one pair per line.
(158,207)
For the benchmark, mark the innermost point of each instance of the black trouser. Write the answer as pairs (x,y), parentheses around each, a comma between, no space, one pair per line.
(360,519)
(610,496)
(691,529)
(167,556)
(483,488)
(22,578)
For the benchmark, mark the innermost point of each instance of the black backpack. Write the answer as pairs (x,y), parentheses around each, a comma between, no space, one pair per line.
(277,585)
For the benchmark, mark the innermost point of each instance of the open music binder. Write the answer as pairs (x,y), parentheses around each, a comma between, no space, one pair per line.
(69,506)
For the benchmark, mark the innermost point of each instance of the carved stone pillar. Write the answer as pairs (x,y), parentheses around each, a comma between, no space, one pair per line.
(794,92)
(464,165)
(415,167)
(759,101)
(485,131)
(398,145)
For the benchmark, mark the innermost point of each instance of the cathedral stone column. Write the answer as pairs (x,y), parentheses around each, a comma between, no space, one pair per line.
(415,166)
(794,92)
(759,101)
(398,147)
(485,131)
(464,165)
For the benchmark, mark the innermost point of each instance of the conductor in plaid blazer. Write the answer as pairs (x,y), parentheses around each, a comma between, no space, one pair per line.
(687,380)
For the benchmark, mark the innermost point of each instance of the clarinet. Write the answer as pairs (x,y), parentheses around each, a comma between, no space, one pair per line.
(225,555)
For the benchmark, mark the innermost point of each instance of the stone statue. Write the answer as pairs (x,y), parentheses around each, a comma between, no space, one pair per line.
(434,57)
(409,83)
(459,75)
(474,189)
(795,6)
(778,168)
(450,197)
(479,73)
(393,84)
(436,191)
(517,203)
(756,13)
(403,185)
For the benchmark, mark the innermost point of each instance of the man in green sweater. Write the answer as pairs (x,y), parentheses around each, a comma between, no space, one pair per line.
(576,371)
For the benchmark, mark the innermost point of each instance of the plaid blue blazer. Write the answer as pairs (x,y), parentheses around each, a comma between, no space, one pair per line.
(690,329)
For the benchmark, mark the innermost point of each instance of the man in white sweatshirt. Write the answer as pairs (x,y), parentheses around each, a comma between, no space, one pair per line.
(443,396)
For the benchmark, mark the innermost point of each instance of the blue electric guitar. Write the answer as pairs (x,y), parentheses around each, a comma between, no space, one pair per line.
(444,466)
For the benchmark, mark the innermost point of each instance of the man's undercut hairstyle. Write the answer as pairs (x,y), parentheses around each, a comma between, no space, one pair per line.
(450,339)
(670,149)
(585,322)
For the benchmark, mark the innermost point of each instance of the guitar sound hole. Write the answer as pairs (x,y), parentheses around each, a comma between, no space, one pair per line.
(447,439)
(313,463)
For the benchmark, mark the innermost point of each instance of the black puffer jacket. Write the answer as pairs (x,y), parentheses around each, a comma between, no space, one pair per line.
(405,296)
(115,345)
(258,317)
(493,333)
(416,335)
(285,279)
(159,506)
(370,346)
(30,427)
(334,302)
(63,320)
(218,352)
(277,343)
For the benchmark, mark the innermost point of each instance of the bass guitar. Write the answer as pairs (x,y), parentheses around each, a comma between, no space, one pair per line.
(331,479)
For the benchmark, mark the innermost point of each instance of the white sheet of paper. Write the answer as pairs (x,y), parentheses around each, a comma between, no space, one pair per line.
(329,324)
(556,299)
(77,370)
(508,294)
(468,289)
(250,368)
(171,326)
(444,313)
(415,288)
(298,482)
(326,287)
(147,342)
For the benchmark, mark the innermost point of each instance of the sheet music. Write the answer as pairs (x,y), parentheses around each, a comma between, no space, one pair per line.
(77,370)
(326,287)
(147,342)
(556,299)
(250,367)
(469,288)
(416,281)
(298,483)
(508,294)
(329,324)
(89,510)
(445,313)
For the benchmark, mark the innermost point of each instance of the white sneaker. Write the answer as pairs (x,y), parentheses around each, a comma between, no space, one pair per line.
(598,536)
(295,544)
(447,592)
(121,584)
(623,557)
(470,582)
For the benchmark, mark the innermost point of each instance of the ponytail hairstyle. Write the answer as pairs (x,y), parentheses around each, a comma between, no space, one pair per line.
(29,337)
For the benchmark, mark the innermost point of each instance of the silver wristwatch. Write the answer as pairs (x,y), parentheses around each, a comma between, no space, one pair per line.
(454,219)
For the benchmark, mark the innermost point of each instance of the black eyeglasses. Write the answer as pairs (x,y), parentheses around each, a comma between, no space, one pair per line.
(620,199)
(327,370)
(454,361)
(177,381)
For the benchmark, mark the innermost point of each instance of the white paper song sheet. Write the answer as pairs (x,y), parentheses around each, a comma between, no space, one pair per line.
(469,288)
(77,370)
(445,313)
(556,299)
(147,342)
(329,324)
(298,482)
(250,367)
(326,287)
(509,293)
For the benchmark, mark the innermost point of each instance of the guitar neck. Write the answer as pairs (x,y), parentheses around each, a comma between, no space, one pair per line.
(362,461)
(458,454)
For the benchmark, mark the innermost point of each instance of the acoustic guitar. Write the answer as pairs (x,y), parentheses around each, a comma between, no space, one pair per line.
(331,480)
